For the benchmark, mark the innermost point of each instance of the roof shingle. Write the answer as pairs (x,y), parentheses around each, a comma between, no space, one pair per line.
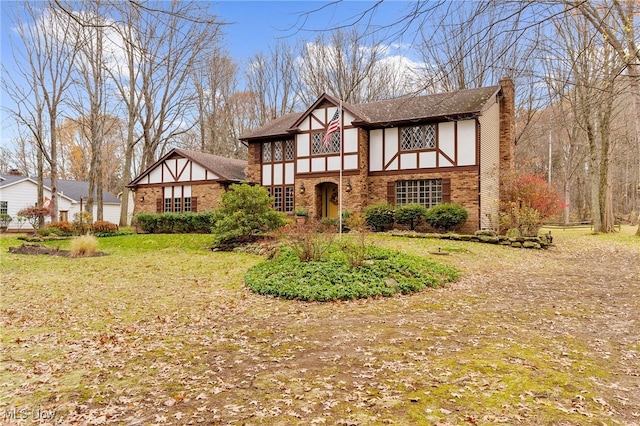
(410,108)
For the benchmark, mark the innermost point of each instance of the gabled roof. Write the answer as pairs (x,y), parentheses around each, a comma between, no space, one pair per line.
(228,169)
(75,189)
(460,103)
(388,112)
(277,127)
(70,189)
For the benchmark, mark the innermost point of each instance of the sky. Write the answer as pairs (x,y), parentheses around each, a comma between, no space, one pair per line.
(253,26)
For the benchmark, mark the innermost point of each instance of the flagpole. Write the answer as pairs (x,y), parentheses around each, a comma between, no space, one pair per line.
(341,158)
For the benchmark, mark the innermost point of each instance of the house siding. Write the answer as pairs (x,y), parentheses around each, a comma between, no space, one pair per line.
(25,194)
(489,167)
(472,153)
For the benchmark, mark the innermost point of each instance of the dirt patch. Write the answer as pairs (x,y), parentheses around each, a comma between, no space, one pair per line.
(36,249)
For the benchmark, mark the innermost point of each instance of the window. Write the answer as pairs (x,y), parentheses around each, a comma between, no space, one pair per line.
(278,151)
(266,152)
(289,150)
(4,207)
(177,199)
(288,199)
(425,192)
(318,146)
(283,198)
(418,137)
(277,196)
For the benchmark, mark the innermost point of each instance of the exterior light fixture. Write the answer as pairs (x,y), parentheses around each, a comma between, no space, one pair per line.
(302,189)
(349,188)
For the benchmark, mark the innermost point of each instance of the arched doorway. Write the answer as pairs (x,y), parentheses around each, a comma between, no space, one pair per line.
(327,199)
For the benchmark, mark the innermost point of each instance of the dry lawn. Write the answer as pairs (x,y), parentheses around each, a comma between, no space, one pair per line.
(162,331)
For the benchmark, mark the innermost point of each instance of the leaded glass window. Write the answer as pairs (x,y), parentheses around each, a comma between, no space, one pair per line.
(289,150)
(266,152)
(277,151)
(418,137)
(319,147)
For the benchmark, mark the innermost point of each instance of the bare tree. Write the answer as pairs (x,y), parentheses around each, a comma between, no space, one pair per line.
(45,59)
(616,22)
(348,66)
(171,47)
(215,84)
(272,77)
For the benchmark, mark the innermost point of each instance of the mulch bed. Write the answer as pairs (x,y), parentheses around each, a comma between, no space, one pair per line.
(35,249)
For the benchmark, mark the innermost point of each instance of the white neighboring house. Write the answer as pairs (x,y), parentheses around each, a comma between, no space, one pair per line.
(19,192)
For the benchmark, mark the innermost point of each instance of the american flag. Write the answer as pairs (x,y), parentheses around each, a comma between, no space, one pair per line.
(334,125)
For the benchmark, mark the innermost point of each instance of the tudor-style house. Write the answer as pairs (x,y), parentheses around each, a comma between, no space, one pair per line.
(185,181)
(449,147)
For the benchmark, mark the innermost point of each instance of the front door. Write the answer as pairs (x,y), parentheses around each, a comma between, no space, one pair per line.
(328,197)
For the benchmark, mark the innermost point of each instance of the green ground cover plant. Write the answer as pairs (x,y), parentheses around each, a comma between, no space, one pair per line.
(383,273)
(162,330)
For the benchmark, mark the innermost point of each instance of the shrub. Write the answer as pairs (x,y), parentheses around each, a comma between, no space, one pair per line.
(383,273)
(33,215)
(410,214)
(175,223)
(244,214)
(5,219)
(104,226)
(379,216)
(309,241)
(63,226)
(82,222)
(84,245)
(528,202)
(446,217)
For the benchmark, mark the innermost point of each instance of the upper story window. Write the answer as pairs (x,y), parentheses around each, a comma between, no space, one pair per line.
(278,151)
(320,148)
(418,137)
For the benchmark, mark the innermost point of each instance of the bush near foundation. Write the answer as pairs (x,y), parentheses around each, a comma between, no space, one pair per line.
(410,214)
(175,223)
(446,217)
(379,216)
(245,214)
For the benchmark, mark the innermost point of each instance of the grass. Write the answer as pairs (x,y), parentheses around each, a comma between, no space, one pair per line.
(162,330)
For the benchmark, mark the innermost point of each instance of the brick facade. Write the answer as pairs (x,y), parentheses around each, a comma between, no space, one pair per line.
(208,195)
(495,156)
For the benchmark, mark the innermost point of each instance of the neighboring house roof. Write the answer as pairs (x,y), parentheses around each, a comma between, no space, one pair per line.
(392,111)
(228,169)
(71,189)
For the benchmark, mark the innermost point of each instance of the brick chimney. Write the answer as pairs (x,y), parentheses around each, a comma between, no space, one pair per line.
(507,129)
(14,172)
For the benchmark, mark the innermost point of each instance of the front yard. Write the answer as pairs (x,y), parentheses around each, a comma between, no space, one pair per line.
(162,331)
